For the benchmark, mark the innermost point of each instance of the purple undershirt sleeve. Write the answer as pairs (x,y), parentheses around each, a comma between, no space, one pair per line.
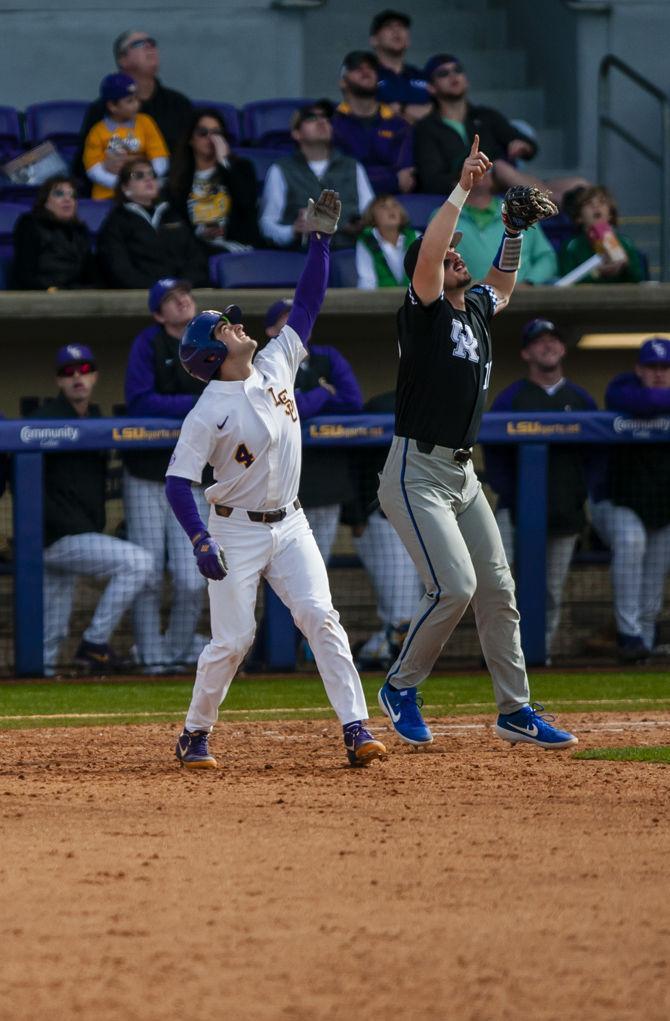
(180,498)
(311,288)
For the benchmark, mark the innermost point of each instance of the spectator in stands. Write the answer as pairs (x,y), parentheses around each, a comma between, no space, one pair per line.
(369,130)
(443,139)
(325,385)
(545,388)
(136,54)
(479,224)
(143,239)
(402,86)
(157,386)
(214,189)
(634,518)
(313,166)
(594,211)
(381,246)
(52,247)
(74,520)
(121,134)
(392,573)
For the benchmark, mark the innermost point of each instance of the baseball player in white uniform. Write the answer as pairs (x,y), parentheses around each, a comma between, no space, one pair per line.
(246,426)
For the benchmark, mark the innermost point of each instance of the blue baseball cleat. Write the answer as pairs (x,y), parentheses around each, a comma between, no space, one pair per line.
(192,750)
(526,725)
(403,709)
(360,745)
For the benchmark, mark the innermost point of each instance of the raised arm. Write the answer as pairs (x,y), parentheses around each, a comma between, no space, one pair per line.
(321,221)
(428,277)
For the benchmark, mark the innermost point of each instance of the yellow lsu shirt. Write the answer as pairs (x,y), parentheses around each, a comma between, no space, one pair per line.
(141,138)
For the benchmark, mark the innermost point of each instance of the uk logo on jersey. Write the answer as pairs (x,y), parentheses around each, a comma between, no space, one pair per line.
(465,342)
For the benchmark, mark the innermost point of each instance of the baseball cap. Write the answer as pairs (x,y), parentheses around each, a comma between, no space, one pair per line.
(117,86)
(655,351)
(277,309)
(355,58)
(160,290)
(71,354)
(384,17)
(534,328)
(437,61)
(412,253)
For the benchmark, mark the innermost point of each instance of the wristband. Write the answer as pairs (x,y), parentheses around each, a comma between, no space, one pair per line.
(508,255)
(198,537)
(458,197)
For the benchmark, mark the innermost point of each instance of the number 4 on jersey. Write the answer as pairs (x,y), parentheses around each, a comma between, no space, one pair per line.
(244,456)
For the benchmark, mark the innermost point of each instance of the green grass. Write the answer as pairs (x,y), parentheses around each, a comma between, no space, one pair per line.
(87,703)
(659,753)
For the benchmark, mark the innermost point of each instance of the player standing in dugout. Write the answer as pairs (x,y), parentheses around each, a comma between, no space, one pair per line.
(429,489)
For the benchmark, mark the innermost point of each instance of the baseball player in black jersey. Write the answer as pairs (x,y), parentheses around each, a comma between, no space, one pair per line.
(428,488)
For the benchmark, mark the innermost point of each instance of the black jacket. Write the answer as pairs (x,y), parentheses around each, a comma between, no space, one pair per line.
(74,483)
(52,253)
(239,180)
(136,247)
(439,151)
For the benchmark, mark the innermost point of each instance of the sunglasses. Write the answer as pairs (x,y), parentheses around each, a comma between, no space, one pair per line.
(138,44)
(143,175)
(63,193)
(204,132)
(444,72)
(83,368)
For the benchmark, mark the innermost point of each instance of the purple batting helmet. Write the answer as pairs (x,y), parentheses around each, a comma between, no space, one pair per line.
(200,352)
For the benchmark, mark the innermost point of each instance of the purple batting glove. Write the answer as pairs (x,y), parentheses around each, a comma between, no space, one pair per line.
(211,560)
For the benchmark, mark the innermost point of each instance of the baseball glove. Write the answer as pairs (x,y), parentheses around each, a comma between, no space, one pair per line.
(524,206)
(324,214)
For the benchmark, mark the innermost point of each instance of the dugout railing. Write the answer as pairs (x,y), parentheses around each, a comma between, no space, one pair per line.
(28,441)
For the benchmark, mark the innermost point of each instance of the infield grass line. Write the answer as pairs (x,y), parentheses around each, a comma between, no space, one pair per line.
(653,753)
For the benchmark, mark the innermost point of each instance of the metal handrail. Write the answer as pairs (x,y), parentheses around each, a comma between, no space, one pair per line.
(662,160)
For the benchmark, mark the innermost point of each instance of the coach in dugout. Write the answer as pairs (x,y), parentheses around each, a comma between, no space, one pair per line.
(157,386)
(74,522)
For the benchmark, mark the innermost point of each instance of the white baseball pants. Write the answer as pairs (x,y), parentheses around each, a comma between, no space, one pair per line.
(286,554)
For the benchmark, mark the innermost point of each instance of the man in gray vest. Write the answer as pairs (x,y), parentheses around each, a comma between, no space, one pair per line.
(313,166)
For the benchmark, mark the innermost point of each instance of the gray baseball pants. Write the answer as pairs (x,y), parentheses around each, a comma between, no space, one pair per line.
(442,516)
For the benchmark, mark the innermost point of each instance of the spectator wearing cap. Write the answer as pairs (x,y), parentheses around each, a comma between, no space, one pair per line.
(122,134)
(158,387)
(402,86)
(324,385)
(74,522)
(53,249)
(634,517)
(314,165)
(479,224)
(137,54)
(369,130)
(571,470)
(443,139)
(144,239)
(382,244)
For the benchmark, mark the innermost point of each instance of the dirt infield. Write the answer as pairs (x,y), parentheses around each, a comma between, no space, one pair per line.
(470,882)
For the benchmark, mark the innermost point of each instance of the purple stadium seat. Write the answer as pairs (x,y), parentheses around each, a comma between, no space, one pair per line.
(267,122)
(10,133)
(343,268)
(419,208)
(262,159)
(257,269)
(229,115)
(93,212)
(9,214)
(58,121)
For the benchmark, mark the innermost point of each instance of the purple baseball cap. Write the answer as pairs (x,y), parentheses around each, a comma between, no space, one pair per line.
(117,86)
(160,290)
(655,351)
(534,328)
(72,354)
(276,310)
(437,61)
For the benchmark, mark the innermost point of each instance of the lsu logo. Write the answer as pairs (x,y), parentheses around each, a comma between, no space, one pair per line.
(464,340)
(283,399)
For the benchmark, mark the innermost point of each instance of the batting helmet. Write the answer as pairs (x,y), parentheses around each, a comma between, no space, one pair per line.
(200,352)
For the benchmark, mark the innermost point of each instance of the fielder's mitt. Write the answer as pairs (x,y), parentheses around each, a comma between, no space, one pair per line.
(324,214)
(523,206)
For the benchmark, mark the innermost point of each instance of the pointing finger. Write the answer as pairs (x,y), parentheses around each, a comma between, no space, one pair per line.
(475,146)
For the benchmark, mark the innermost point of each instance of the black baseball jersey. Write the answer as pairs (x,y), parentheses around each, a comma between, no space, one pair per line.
(445,367)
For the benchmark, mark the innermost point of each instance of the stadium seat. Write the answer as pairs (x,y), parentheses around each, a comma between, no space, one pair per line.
(257,269)
(262,159)
(58,121)
(93,212)
(10,134)
(267,122)
(343,268)
(419,208)
(229,115)
(9,214)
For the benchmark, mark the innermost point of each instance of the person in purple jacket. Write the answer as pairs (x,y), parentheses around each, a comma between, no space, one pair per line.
(634,519)
(369,130)
(157,386)
(325,384)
